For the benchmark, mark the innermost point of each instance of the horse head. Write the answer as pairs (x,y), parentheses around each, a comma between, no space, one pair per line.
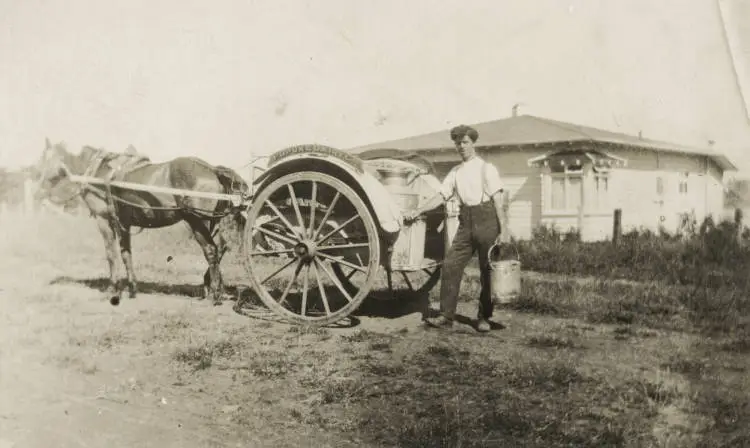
(52,167)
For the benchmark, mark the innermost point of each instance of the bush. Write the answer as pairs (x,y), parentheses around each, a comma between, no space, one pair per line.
(707,256)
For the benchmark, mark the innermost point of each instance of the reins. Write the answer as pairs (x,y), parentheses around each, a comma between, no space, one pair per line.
(112,198)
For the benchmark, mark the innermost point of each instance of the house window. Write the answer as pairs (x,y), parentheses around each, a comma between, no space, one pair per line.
(566,191)
(660,186)
(600,193)
(683,184)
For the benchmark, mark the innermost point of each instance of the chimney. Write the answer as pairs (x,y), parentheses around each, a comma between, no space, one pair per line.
(515,110)
(640,135)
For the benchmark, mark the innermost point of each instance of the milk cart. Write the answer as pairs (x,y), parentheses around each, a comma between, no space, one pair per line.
(323,225)
(324,231)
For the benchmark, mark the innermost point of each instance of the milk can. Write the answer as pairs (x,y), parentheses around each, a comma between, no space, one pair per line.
(505,277)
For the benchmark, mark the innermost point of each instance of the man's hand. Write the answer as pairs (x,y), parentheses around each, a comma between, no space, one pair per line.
(411,215)
(502,238)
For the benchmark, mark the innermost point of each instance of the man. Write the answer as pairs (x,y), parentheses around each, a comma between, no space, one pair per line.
(477,185)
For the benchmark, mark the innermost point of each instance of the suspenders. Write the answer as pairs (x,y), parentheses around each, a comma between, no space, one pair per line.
(484,184)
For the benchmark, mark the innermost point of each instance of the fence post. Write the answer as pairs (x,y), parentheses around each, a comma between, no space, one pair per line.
(617,226)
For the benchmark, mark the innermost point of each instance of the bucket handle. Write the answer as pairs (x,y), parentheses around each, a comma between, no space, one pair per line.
(489,252)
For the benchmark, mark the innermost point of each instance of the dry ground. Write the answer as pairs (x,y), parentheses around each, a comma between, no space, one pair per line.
(167,370)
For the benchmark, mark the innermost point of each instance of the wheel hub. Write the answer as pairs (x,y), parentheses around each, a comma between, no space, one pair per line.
(305,250)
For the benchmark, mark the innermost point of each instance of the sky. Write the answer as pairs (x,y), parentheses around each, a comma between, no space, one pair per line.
(227,80)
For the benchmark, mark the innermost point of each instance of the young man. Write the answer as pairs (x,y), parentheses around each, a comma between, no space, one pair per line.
(477,185)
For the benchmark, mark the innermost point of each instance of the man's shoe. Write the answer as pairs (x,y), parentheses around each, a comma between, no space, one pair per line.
(483,325)
(440,322)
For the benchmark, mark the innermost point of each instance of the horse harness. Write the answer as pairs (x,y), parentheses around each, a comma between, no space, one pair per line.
(120,165)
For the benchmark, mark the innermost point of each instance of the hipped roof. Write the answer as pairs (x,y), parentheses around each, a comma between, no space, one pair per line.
(530,130)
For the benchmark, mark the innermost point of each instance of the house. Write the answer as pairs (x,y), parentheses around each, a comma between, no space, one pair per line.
(574,176)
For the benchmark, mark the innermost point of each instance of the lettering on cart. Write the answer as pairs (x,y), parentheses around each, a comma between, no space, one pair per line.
(313,151)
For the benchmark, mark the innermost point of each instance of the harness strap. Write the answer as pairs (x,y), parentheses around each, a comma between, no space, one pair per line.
(96,163)
(484,184)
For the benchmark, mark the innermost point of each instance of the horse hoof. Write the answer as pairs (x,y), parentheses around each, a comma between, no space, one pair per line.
(217,302)
(114,300)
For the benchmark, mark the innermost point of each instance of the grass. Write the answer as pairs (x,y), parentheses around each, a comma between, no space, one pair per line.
(449,397)
(202,356)
(714,254)
(553,341)
(585,362)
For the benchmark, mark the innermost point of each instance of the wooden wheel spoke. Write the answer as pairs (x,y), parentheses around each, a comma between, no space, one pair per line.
(340,261)
(327,215)
(322,290)
(337,229)
(278,236)
(273,274)
(268,219)
(344,246)
(305,287)
(293,198)
(335,281)
(406,279)
(348,247)
(351,274)
(271,252)
(313,206)
(280,215)
(288,288)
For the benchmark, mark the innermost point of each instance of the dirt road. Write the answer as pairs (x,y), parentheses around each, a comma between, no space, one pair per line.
(167,370)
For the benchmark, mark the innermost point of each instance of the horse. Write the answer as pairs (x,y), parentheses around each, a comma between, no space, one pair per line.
(117,209)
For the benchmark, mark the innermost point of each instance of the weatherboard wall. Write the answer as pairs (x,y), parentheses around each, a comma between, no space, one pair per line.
(647,191)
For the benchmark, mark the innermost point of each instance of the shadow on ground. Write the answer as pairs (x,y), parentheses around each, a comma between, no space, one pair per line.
(145,287)
(400,305)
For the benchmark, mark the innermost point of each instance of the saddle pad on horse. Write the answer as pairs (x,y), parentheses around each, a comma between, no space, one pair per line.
(121,163)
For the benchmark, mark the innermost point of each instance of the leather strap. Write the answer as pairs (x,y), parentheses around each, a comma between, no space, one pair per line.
(483,184)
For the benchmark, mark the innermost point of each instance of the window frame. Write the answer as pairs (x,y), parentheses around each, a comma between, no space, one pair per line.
(599,201)
(683,184)
(566,175)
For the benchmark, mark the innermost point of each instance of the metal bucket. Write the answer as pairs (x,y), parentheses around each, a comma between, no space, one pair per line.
(505,277)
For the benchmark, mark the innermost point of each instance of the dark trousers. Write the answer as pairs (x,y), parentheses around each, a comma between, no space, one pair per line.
(477,230)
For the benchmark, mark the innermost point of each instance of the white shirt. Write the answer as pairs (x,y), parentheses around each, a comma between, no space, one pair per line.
(465,180)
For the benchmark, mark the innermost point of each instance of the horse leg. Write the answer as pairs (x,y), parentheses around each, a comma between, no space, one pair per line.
(127,260)
(222,249)
(212,278)
(108,234)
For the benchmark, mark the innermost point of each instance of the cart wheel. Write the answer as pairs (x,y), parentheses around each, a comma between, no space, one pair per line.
(399,285)
(294,277)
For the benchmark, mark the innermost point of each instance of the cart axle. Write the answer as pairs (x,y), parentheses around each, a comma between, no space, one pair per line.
(306,251)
